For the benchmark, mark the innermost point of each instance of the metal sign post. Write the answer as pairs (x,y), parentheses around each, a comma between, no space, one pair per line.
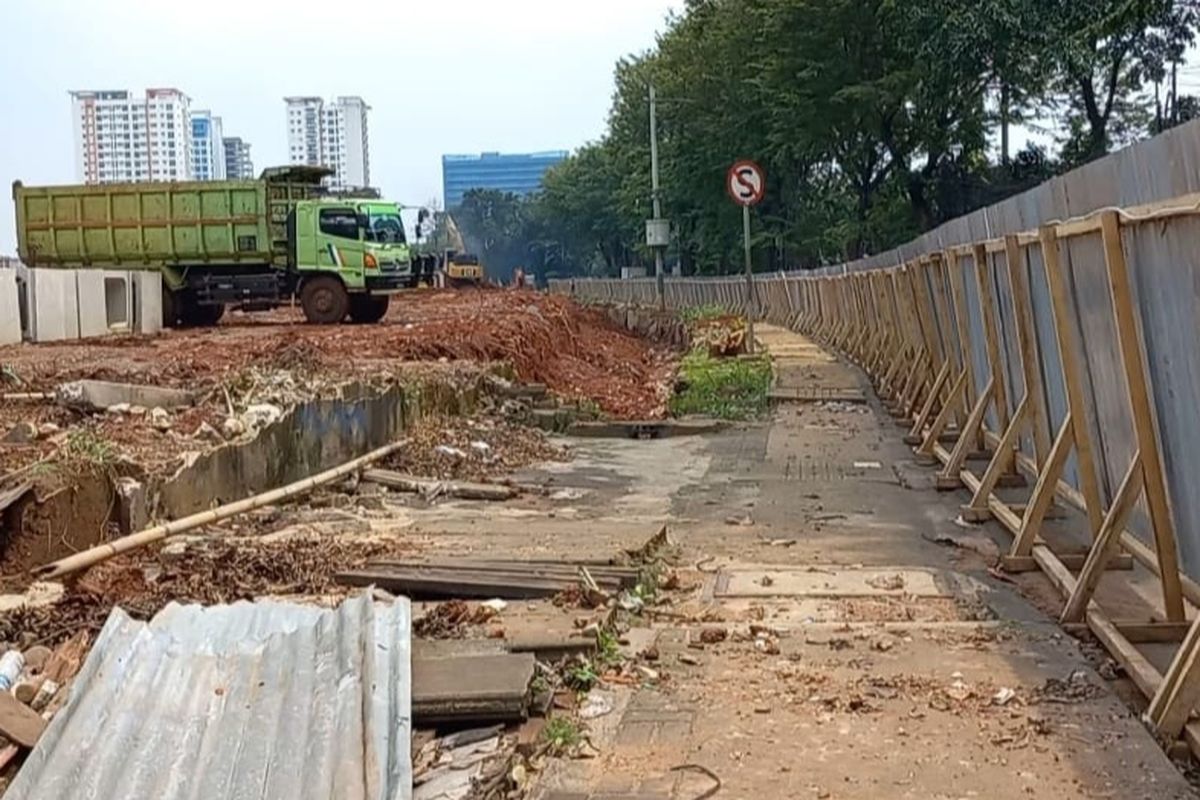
(656,245)
(746,183)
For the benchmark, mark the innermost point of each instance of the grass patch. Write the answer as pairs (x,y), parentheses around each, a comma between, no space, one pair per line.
(702,313)
(562,734)
(86,445)
(727,388)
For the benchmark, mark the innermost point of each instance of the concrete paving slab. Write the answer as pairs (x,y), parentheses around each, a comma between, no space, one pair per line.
(830,583)
(100,395)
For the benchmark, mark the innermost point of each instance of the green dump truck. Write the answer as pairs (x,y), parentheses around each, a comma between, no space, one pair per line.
(251,244)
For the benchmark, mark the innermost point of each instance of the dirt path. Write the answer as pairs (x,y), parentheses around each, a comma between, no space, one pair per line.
(858,658)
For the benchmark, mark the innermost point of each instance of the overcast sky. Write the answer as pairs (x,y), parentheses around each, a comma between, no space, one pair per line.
(447,76)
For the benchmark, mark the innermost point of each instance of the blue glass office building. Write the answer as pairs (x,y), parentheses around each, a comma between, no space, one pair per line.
(519,173)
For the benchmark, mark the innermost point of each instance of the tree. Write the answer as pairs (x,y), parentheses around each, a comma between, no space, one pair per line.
(874,120)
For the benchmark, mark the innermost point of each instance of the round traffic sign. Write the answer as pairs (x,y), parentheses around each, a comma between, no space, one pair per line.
(746,183)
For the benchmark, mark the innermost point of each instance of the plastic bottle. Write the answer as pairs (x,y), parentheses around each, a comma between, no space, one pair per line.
(12,664)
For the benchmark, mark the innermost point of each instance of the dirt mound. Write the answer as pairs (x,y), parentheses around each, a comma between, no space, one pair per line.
(576,351)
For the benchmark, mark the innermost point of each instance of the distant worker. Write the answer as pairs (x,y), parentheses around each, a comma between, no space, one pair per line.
(519,278)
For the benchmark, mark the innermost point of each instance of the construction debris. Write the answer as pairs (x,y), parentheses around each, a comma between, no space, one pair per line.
(471,449)
(488,579)
(336,680)
(469,688)
(102,552)
(430,489)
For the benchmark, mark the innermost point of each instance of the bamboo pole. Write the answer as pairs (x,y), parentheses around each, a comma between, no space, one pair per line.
(103,552)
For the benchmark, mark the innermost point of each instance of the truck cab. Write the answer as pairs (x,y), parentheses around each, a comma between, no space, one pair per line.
(363,243)
(357,245)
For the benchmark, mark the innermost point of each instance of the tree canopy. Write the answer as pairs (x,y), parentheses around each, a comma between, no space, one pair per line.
(874,119)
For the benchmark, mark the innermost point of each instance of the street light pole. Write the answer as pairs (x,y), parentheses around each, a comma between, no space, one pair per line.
(659,278)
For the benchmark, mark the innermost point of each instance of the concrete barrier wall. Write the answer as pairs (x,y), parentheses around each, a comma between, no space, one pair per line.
(10,308)
(1160,180)
(80,304)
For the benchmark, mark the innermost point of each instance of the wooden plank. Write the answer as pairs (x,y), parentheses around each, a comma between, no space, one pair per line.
(958,291)
(1068,350)
(1072,561)
(1138,382)
(991,330)
(930,401)
(938,426)
(1139,669)
(1179,693)
(1018,278)
(1043,490)
(568,571)
(1002,457)
(461,489)
(1106,542)
(1137,666)
(441,584)
(1152,632)
(954,463)
(19,722)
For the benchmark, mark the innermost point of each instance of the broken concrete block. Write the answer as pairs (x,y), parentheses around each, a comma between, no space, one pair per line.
(101,395)
(208,433)
(133,513)
(160,419)
(21,433)
(147,302)
(261,415)
(233,427)
(89,300)
(10,308)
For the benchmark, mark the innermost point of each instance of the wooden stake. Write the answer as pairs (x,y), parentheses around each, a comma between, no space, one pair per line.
(1068,356)
(1106,543)
(1138,383)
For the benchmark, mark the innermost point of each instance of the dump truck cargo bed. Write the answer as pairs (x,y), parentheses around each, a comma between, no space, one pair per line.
(154,225)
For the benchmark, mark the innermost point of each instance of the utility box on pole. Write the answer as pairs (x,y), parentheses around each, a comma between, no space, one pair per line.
(658,233)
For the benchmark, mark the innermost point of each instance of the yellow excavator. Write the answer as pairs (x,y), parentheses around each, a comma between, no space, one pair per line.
(459,268)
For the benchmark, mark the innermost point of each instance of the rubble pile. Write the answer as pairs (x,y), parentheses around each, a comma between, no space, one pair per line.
(721,336)
(577,352)
(210,572)
(474,449)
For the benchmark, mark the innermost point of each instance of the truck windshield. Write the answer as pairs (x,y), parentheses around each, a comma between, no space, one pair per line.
(385,228)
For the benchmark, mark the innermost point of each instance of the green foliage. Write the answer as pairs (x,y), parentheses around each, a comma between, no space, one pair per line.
(608,650)
(727,388)
(562,734)
(86,445)
(874,119)
(581,676)
(43,469)
(702,313)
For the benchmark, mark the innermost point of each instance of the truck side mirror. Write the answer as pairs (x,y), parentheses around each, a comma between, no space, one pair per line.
(363,223)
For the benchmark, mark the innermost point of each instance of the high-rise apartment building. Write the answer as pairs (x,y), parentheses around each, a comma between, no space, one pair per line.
(208,150)
(238,166)
(331,134)
(120,137)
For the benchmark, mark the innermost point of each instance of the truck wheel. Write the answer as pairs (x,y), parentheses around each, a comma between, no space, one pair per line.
(324,300)
(364,309)
(171,304)
(205,316)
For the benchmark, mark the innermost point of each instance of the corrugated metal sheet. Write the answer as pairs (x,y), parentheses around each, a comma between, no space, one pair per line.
(254,700)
